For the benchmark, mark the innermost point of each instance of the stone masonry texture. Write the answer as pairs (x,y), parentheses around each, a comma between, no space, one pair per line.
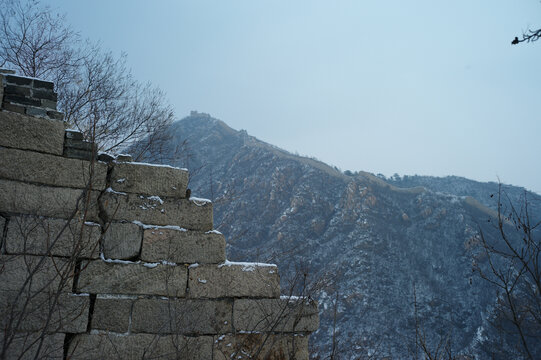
(57,202)
(140,346)
(122,240)
(99,277)
(149,180)
(265,346)
(44,236)
(217,281)
(25,132)
(182,246)
(157,211)
(281,315)
(50,170)
(180,316)
(110,259)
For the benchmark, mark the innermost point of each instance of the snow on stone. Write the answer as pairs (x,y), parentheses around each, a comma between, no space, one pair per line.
(202,281)
(192,266)
(90,223)
(116,296)
(151,265)
(117,261)
(246,266)
(155,198)
(157,165)
(157,227)
(120,181)
(110,190)
(213,232)
(199,201)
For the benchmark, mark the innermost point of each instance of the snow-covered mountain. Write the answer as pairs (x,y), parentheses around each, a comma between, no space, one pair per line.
(372,247)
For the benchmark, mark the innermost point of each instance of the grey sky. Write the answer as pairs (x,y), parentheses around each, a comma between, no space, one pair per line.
(414,87)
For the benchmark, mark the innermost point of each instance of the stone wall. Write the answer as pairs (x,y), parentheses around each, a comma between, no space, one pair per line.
(104,258)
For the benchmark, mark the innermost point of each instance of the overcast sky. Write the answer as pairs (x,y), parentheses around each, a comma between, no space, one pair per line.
(413,87)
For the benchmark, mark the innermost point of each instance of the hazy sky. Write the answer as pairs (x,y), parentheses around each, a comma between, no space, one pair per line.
(413,87)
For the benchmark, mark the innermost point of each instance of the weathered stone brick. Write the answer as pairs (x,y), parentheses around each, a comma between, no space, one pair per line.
(18,80)
(36,111)
(30,133)
(139,346)
(122,241)
(57,237)
(275,315)
(79,154)
(39,84)
(261,346)
(41,200)
(100,277)
(78,144)
(21,99)
(34,273)
(55,115)
(234,280)
(48,104)
(47,94)
(17,90)
(160,180)
(25,346)
(49,169)
(112,314)
(181,316)
(44,311)
(182,246)
(14,107)
(153,210)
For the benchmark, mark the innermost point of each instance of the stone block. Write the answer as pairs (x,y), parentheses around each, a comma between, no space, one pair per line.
(47,312)
(29,166)
(17,90)
(182,246)
(21,99)
(193,215)
(122,241)
(112,314)
(139,346)
(30,133)
(41,200)
(275,315)
(34,273)
(181,316)
(36,111)
(146,179)
(234,280)
(100,277)
(47,94)
(48,104)
(55,115)
(56,237)
(18,80)
(74,134)
(261,346)
(78,144)
(79,154)
(25,346)
(39,84)
(13,107)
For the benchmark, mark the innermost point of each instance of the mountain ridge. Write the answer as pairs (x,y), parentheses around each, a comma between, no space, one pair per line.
(378,243)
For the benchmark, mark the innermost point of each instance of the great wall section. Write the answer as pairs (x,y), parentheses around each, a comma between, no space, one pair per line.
(104,258)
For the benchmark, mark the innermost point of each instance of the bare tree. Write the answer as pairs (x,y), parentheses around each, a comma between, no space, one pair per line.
(528,36)
(96,90)
(512,264)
